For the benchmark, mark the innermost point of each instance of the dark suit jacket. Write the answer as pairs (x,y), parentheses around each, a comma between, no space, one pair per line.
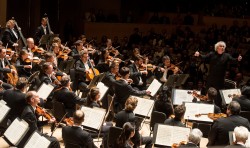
(174,122)
(122,92)
(234,146)
(22,72)
(4,70)
(109,80)
(69,99)
(29,116)
(244,102)
(39,33)
(9,37)
(218,134)
(75,54)
(76,135)
(15,99)
(134,74)
(44,78)
(80,71)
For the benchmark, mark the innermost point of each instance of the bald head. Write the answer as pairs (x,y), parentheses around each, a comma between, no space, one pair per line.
(78,117)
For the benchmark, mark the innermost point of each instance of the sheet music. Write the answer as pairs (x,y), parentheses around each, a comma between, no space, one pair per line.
(179,96)
(4,109)
(154,87)
(167,135)
(16,131)
(93,117)
(3,102)
(144,107)
(193,109)
(102,88)
(37,141)
(45,90)
(227,92)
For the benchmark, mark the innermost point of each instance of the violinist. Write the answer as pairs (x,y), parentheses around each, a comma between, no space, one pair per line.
(104,61)
(138,77)
(30,46)
(75,134)
(62,48)
(67,97)
(10,35)
(24,64)
(47,75)
(179,112)
(76,51)
(194,139)
(218,135)
(60,56)
(244,99)
(211,96)
(30,117)
(113,51)
(4,70)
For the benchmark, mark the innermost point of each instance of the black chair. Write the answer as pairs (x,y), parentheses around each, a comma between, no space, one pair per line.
(204,127)
(58,110)
(156,117)
(114,133)
(245,114)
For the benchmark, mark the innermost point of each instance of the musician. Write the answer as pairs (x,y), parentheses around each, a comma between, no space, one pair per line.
(113,52)
(23,67)
(67,96)
(162,104)
(41,30)
(179,112)
(127,115)
(244,99)
(138,77)
(123,90)
(75,134)
(82,68)
(241,136)
(194,139)
(76,51)
(15,99)
(10,35)
(93,98)
(30,117)
(124,140)
(211,96)
(47,76)
(218,61)
(59,56)
(104,61)
(218,135)
(3,63)
(30,46)
(49,57)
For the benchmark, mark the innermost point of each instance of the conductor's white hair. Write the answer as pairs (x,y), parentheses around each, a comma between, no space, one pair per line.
(241,133)
(218,44)
(195,136)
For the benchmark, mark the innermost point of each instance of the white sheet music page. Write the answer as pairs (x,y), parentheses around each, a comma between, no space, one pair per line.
(37,141)
(144,107)
(180,96)
(167,135)
(16,131)
(45,90)
(102,88)
(229,92)
(193,109)
(4,109)
(93,117)
(154,87)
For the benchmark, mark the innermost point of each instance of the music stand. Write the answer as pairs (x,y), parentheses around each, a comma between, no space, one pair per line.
(176,80)
(47,39)
(95,80)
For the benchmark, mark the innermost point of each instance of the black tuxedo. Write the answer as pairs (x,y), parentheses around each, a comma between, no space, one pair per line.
(135,74)
(244,102)
(39,33)
(22,72)
(108,80)
(44,78)
(122,92)
(9,38)
(76,135)
(4,70)
(15,99)
(29,116)
(218,134)
(235,146)
(69,99)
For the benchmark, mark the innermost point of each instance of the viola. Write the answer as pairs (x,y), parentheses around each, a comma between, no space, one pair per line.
(198,96)
(40,111)
(213,116)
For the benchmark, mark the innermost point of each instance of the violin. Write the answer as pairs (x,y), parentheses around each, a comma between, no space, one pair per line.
(233,95)
(149,67)
(213,116)
(69,121)
(198,96)
(38,50)
(40,111)
(176,145)
(9,51)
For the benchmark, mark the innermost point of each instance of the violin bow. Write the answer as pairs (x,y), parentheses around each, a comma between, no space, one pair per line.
(58,124)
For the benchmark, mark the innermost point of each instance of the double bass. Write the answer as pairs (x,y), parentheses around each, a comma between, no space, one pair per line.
(23,43)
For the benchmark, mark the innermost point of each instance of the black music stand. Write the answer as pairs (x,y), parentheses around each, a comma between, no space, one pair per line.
(47,39)
(176,80)
(95,80)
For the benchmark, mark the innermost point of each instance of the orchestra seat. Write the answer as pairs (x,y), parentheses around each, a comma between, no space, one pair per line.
(114,133)
(58,110)
(204,127)
(156,117)
(245,114)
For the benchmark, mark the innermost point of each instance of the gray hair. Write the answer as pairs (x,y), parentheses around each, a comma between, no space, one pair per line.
(218,44)
(241,133)
(195,136)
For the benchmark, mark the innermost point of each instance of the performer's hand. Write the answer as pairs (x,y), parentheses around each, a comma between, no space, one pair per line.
(28,66)
(197,54)
(144,72)
(15,45)
(13,71)
(239,58)
(52,120)
(162,69)
(129,81)
(148,92)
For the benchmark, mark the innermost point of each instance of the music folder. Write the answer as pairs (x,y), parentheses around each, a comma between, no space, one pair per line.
(144,107)
(165,135)
(93,117)
(95,80)
(227,94)
(179,96)
(37,140)
(154,87)
(4,110)
(102,88)
(45,90)
(16,131)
